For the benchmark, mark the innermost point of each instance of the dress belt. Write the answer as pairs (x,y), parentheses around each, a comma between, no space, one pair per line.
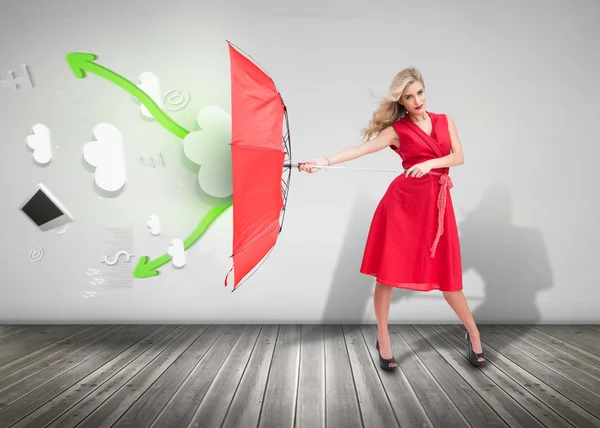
(445,184)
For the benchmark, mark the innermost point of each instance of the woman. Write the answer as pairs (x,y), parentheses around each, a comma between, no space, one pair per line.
(413,239)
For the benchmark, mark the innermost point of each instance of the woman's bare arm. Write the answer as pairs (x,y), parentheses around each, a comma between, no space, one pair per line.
(384,139)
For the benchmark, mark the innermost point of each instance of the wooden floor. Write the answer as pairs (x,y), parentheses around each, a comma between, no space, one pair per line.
(296,375)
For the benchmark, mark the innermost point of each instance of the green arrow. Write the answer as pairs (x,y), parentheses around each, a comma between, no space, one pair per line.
(82,62)
(146,268)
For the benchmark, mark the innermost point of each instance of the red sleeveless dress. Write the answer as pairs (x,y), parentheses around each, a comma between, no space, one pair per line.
(413,238)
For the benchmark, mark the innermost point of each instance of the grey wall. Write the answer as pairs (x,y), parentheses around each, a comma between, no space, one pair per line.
(519,79)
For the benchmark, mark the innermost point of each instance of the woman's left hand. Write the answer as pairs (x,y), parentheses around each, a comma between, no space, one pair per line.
(418,170)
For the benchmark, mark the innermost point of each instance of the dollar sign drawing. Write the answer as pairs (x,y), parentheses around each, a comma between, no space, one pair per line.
(116,259)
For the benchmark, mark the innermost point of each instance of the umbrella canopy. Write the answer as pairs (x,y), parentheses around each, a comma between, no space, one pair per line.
(258,152)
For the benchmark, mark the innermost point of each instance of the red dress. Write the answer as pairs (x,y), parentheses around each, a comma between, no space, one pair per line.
(413,239)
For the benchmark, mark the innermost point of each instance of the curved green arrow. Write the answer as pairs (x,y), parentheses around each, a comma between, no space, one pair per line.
(147,268)
(82,62)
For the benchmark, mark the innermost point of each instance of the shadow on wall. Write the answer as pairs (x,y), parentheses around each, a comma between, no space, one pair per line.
(352,290)
(511,260)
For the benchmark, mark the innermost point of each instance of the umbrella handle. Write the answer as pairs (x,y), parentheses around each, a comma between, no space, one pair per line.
(297,165)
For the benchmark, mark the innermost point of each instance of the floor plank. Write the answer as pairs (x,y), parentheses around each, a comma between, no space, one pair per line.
(375,406)
(569,410)
(581,372)
(104,377)
(538,409)
(472,406)
(8,330)
(121,380)
(575,335)
(137,390)
(440,409)
(342,406)
(211,412)
(68,376)
(21,368)
(560,344)
(181,407)
(506,407)
(30,340)
(154,399)
(408,409)
(568,387)
(310,407)
(279,402)
(26,396)
(244,410)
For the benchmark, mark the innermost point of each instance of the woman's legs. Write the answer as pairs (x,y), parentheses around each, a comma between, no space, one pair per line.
(458,302)
(382,300)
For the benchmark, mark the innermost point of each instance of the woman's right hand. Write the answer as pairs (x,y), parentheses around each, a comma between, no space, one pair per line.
(307,166)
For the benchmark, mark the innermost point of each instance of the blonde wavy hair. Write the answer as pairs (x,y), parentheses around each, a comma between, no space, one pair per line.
(390,110)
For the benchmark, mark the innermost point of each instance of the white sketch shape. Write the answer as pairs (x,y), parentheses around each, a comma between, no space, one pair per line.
(154,224)
(177,253)
(41,144)
(210,148)
(150,84)
(106,154)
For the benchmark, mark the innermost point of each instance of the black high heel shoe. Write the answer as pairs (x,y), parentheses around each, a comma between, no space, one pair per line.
(473,356)
(385,363)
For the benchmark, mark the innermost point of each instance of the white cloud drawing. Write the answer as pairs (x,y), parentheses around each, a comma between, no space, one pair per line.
(41,144)
(154,225)
(210,148)
(177,253)
(106,154)
(150,84)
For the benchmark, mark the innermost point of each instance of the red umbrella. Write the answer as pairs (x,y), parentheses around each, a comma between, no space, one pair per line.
(258,154)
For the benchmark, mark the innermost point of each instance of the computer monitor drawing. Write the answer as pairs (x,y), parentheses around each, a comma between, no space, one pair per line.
(45,210)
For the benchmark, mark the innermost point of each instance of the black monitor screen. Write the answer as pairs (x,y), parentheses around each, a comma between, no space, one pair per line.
(41,209)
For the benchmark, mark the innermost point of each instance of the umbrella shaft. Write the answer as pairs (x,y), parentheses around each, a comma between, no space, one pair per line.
(295,165)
